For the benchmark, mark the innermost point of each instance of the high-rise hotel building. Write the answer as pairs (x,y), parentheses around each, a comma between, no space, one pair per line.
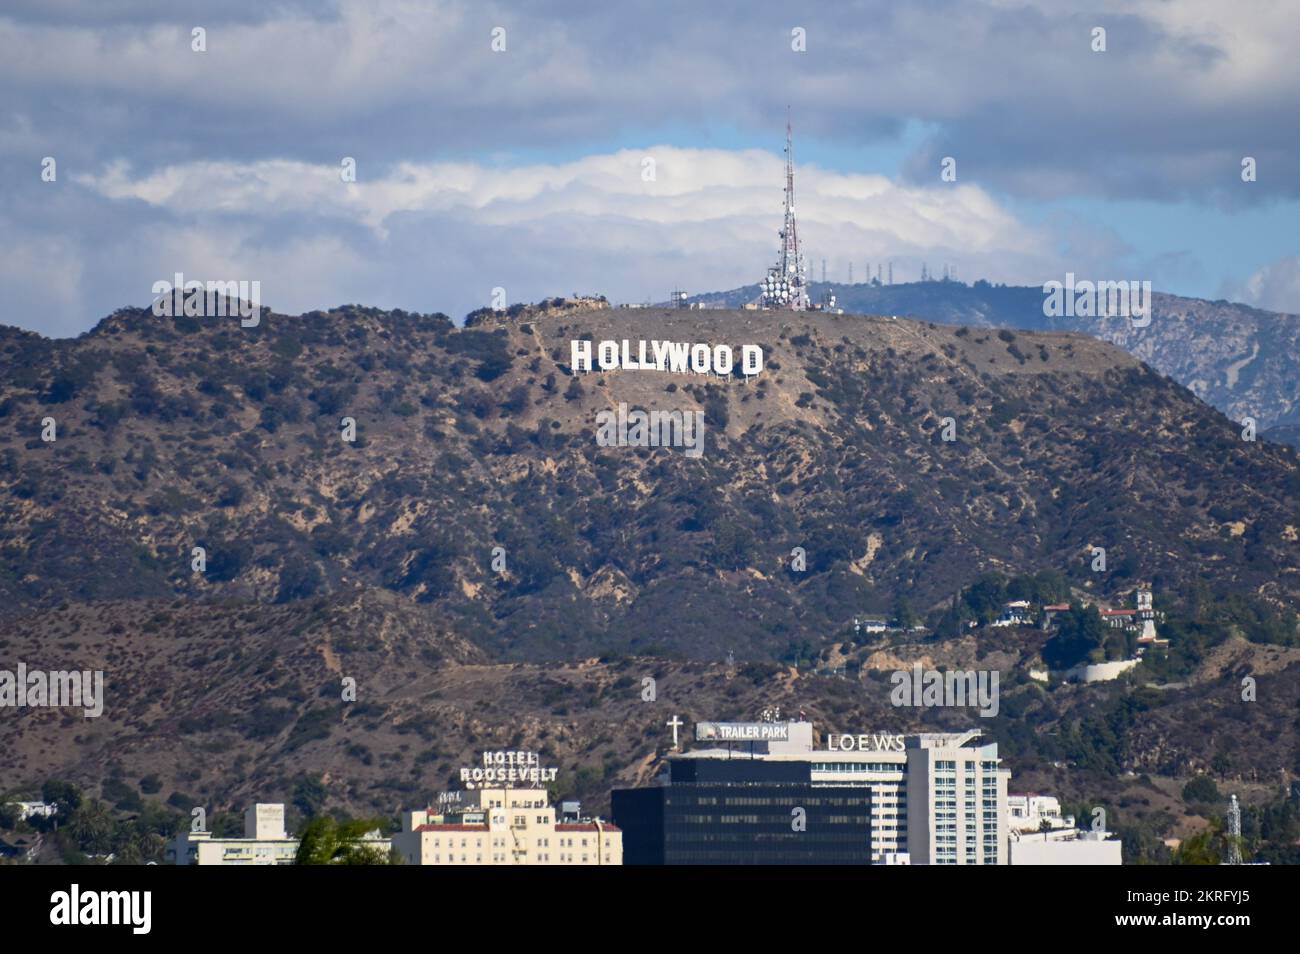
(957,798)
(933,798)
(940,798)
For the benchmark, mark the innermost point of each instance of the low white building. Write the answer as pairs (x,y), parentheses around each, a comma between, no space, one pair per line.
(1014,613)
(265,842)
(1040,834)
(1064,847)
(28,810)
(1028,813)
(1100,672)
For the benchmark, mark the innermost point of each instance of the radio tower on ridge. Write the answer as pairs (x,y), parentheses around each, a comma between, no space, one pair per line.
(1234,833)
(786,284)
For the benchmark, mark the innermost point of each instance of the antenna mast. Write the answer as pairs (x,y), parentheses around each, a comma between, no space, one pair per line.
(786,285)
(1234,833)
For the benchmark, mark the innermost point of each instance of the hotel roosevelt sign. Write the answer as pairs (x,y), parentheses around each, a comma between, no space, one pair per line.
(507,770)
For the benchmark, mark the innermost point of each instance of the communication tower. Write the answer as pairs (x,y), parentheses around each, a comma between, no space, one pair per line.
(786,284)
(1234,833)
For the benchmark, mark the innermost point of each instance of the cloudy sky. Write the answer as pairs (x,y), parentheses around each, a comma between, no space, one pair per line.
(527,168)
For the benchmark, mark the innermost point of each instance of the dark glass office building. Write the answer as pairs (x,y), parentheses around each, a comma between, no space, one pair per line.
(742,811)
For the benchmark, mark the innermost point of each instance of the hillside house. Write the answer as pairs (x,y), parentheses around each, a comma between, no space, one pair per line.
(1141,619)
(1014,613)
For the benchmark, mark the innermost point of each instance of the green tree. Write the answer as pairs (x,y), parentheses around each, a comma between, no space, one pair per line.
(309,795)
(1201,789)
(92,828)
(64,795)
(1080,636)
(326,841)
(986,596)
(1204,848)
(904,614)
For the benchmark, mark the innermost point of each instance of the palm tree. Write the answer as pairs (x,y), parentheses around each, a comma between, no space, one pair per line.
(91,827)
(137,844)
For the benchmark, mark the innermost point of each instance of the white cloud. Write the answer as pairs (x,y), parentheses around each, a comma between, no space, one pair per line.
(708,220)
(691,187)
(1275,287)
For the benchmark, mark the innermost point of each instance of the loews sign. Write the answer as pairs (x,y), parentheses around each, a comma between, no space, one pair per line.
(875,742)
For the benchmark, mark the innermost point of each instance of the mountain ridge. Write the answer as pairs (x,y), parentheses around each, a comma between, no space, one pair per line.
(1243,360)
(181,433)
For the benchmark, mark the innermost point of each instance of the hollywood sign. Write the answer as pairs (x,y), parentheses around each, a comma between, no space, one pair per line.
(677,357)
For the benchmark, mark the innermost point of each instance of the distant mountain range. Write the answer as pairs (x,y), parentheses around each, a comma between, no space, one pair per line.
(1241,360)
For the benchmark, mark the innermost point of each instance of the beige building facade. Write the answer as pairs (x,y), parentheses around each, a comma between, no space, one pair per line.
(506,826)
